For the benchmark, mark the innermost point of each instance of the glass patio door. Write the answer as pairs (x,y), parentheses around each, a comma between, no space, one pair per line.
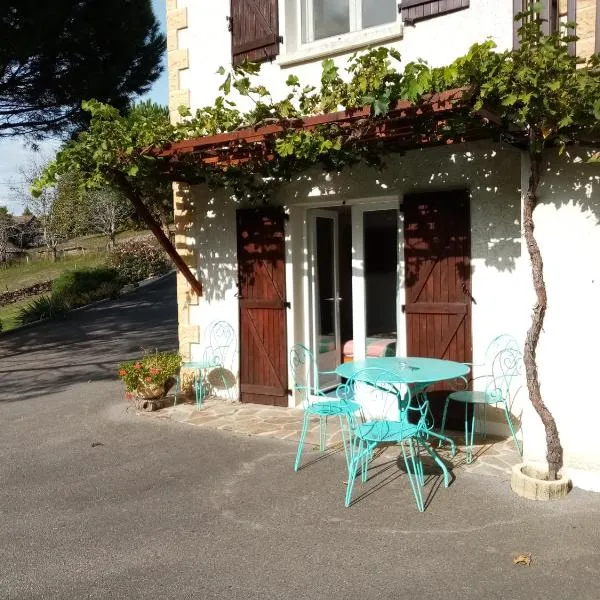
(325,294)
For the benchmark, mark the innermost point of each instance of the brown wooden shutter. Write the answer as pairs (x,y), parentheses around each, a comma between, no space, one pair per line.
(262,301)
(418,10)
(254,30)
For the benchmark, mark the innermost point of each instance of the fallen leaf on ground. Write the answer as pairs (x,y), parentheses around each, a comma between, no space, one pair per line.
(522,559)
(94,444)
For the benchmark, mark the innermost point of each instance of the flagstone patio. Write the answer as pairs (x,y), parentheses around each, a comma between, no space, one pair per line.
(495,457)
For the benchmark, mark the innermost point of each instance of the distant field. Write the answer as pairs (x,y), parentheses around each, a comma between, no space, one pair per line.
(38,269)
(98,242)
(23,274)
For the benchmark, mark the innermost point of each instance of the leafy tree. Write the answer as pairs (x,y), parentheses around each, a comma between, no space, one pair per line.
(157,192)
(52,212)
(56,54)
(107,210)
(6,223)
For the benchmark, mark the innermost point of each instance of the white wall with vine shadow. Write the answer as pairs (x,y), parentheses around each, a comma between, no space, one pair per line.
(490,171)
(568,232)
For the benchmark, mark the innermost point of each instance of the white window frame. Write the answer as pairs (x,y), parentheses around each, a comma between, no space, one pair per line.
(300,51)
(355,21)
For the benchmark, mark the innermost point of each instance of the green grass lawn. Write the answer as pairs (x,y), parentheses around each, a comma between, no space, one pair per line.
(24,274)
(38,269)
(98,242)
(8,313)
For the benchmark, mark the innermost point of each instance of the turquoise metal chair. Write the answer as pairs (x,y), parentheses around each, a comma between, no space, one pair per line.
(317,403)
(218,357)
(504,366)
(398,418)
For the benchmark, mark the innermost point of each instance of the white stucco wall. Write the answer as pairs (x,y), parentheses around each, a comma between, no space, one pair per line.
(439,41)
(569,237)
(490,172)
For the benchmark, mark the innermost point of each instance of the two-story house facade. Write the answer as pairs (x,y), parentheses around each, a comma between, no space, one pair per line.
(424,258)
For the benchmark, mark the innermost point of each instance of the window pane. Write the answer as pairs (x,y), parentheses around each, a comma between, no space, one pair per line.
(381,280)
(330,17)
(378,12)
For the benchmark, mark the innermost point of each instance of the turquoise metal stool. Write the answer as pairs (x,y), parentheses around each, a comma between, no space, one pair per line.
(504,363)
(400,419)
(317,403)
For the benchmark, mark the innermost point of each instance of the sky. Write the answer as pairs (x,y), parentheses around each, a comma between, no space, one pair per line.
(14,154)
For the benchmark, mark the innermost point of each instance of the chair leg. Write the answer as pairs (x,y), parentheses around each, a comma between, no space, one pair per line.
(420,462)
(512,429)
(361,448)
(439,462)
(347,443)
(364,468)
(469,435)
(413,469)
(444,438)
(199,392)
(444,414)
(305,421)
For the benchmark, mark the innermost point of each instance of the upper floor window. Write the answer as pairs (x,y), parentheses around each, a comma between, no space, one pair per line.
(328,18)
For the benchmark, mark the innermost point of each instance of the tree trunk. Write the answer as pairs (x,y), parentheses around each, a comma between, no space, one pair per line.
(123,184)
(164,223)
(554,451)
(110,246)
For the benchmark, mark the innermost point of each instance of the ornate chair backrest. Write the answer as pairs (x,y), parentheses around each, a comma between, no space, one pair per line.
(221,344)
(386,397)
(502,342)
(506,369)
(302,366)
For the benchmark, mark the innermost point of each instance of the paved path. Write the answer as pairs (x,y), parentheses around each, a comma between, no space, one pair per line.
(96,502)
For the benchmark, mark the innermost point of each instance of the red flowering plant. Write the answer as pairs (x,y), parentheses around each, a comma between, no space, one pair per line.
(151,375)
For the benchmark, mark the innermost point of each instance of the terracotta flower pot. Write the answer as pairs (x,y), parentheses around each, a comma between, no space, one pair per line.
(153,391)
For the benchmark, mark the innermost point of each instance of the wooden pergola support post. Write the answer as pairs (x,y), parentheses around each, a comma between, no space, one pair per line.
(144,214)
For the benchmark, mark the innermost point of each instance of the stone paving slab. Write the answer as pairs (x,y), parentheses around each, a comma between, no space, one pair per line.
(492,457)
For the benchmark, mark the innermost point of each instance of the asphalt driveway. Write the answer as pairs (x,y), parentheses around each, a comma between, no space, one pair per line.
(96,502)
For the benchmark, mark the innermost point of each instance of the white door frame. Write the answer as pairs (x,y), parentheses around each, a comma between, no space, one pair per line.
(314,309)
(298,269)
(359,306)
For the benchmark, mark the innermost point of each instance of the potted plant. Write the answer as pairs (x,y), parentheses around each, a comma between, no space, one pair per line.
(149,378)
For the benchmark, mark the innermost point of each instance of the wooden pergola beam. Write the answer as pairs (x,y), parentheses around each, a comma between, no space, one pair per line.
(442,102)
(125,186)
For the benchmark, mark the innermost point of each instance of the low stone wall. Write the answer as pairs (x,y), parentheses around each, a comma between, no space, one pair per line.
(23,293)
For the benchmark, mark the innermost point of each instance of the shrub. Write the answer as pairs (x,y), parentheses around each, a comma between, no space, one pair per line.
(44,307)
(137,259)
(82,286)
(152,370)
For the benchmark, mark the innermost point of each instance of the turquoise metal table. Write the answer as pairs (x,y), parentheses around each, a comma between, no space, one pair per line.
(412,370)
